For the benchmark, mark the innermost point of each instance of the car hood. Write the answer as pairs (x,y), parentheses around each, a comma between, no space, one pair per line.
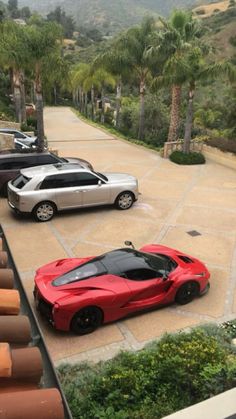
(45,275)
(119,177)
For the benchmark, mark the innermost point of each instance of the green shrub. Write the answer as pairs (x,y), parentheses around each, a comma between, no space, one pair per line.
(31,122)
(168,375)
(191,158)
(229,328)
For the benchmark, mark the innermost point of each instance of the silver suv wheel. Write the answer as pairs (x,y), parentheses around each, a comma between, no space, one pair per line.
(44,211)
(125,200)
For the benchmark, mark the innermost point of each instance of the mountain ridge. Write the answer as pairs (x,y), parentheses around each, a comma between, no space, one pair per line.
(108,15)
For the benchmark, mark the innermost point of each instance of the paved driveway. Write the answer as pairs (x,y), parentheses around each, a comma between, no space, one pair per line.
(175,200)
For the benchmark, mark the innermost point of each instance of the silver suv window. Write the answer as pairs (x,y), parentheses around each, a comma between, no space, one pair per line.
(20,181)
(68,180)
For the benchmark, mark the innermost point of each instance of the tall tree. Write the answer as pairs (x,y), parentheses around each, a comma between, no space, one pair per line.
(14,56)
(175,40)
(131,48)
(116,63)
(42,42)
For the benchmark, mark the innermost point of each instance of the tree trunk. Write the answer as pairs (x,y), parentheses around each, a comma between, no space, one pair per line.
(55,94)
(118,104)
(22,88)
(86,104)
(141,113)
(189,121)
(92,102)
(82,102)
(103,107)
(80,99)
(175,111)
(17,94)
(39,108)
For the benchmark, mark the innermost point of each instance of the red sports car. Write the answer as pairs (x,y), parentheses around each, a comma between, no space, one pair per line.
(81,294)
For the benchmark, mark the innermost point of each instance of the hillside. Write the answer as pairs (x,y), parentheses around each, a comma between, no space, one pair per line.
(108,15)
(207,10)
(220,31)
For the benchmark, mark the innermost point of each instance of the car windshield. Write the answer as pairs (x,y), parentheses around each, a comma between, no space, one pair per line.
(87,270)
(20,181)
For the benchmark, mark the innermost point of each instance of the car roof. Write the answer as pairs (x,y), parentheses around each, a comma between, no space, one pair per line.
(13,154)
(9,129)
(52,169)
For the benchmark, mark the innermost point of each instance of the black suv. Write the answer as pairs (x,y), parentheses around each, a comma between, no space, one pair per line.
(11,163)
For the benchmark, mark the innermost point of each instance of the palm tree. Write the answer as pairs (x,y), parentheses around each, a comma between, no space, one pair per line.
(42,42)
(57,79)
(14,56)
(99,79)
(131,51)
(174,42)
(116,63)
(198,70)
(77,77)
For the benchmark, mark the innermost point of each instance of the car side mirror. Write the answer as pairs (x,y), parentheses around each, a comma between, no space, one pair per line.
(129,243)
(165,277)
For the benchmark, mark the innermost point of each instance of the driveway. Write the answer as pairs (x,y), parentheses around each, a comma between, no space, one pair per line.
(190,208)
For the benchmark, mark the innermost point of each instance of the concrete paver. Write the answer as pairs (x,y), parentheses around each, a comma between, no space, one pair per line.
(174,200)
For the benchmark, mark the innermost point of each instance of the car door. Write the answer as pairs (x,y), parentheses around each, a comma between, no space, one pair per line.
(147,286)
(64,189)
(94,191)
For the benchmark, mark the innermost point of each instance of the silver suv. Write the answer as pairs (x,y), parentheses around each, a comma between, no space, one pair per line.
(44,190)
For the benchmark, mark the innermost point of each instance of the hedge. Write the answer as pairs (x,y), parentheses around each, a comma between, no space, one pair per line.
(191,158)
(168,375)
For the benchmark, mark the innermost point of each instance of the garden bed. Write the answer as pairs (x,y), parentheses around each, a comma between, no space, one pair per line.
(179,370)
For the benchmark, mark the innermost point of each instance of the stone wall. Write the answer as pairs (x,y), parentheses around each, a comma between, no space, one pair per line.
(218,156)
(6,141)
(9,124)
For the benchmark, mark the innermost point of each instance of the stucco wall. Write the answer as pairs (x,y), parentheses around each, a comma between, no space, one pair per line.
(218,156)
(6,141)
(9,124)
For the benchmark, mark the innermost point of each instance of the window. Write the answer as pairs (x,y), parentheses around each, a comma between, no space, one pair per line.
(67,180)
(46,159)
(89,269)
(18,135)
(85,179)
(20,181)
(14,164)
(141,274)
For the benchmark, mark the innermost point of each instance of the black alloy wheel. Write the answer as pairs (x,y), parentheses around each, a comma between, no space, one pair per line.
(187,292)
(86,320)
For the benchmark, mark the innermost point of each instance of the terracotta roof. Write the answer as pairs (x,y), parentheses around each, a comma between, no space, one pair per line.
(29,387)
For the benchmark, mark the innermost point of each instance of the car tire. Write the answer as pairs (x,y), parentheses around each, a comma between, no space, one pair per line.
(44,211)
(86,320)
(187,292)
(124,200)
